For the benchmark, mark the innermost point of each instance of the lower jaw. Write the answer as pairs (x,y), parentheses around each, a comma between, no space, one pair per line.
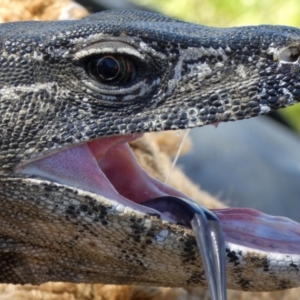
(108,167)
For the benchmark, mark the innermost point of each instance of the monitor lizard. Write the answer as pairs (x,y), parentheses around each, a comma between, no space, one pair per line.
(73,93)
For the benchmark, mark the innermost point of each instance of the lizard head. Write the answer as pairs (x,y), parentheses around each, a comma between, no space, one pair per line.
(74,93)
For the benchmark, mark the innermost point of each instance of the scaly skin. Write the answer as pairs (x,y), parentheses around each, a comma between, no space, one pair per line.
(187,76)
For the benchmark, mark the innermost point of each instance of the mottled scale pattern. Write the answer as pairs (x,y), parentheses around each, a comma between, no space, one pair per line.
(187,76)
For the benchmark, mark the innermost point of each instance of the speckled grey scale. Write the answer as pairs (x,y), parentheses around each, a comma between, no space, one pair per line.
(188,75)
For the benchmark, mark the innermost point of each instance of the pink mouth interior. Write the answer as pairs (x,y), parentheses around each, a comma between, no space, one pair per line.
(108,167)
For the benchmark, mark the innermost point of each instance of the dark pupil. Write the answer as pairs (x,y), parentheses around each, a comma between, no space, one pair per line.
(108,68)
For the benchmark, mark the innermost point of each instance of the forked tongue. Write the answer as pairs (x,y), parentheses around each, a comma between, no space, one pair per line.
(209,237)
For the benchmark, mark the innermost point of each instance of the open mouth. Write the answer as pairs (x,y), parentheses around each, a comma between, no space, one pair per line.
(108,167)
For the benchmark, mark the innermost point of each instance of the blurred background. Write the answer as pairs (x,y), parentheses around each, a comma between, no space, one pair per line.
(233,13)
(250,163)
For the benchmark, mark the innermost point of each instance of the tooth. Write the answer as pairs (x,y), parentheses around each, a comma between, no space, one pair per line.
(209,237)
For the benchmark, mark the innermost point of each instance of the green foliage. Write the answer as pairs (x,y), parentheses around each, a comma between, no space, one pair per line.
(229,12)
(233,13)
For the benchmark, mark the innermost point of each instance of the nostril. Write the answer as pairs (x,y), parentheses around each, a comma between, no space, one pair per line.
(288,55)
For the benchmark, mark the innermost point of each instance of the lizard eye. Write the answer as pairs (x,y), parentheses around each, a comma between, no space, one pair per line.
(116,71)
(112,70)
